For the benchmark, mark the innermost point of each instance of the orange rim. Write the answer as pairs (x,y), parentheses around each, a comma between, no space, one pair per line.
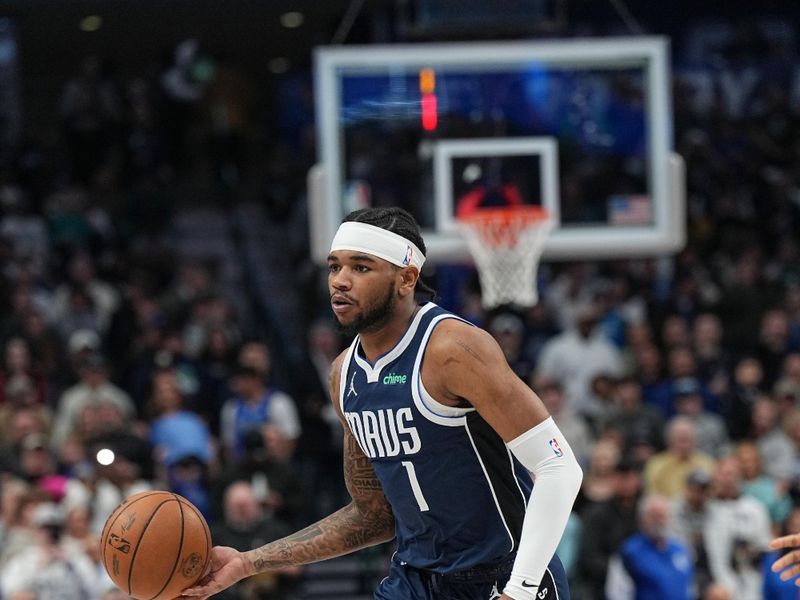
(506,215)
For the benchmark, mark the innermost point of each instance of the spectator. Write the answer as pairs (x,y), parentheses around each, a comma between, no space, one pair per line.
(683,366)
(19,363)
(776,447)
(276,484)
(601,401)
(675,333)
(598,482)
(742,304)
(688,523)
(24,229)
(651,565)
(633,419)
(256,355)
(216,362)
(176,433)
(48,568)
(569,548)
(94,388)
(569,294)
(791,369)
(244,527)
(82,344)
(773,344)
(45,345)
(713,361)
(786,390)
(509,331)
(748,377)
(606,525)
(540,327)
(36,460)
(575,356)
(666,472)
(79,313)
(737,533)
(104,298)
(757,484)
(21,398)
(320,448)
(14,499)
(656,391)
(710,432)
(254,405)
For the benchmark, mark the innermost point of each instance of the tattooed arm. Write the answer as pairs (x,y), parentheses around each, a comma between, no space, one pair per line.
(366,521)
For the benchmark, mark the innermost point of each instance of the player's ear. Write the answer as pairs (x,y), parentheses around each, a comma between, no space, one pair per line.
(408,280)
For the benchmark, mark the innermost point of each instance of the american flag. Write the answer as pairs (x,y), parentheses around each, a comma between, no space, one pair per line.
(629,210)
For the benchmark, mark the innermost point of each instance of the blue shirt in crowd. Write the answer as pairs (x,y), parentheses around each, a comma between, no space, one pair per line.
(658,573)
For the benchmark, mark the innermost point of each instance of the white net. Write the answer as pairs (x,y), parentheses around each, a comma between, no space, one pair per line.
(507,246)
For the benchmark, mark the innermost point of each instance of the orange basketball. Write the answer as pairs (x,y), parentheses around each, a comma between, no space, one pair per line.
(155,545)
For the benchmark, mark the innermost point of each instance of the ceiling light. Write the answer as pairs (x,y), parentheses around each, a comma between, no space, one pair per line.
(292,20)
(278,65)
(91,23)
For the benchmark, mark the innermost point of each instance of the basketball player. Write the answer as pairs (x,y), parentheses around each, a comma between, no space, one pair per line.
(440,441)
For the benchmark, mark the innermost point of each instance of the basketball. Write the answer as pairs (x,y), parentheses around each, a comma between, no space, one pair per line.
(155,544)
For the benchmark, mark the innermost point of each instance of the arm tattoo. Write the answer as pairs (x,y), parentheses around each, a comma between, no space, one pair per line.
(366,521)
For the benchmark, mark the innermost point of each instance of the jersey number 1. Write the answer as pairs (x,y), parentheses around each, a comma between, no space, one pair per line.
(412,479)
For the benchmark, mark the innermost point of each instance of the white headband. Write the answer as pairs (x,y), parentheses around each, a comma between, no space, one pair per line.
(379,242)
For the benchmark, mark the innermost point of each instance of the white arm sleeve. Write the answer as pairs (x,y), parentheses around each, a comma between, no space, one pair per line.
(543,451)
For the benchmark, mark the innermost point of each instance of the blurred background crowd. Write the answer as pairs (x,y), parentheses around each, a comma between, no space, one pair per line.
(161,326)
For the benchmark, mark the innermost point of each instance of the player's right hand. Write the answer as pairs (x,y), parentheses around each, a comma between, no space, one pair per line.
(227,566)
(790,559)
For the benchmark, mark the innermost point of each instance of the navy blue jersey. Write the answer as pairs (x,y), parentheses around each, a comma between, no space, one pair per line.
(457,494)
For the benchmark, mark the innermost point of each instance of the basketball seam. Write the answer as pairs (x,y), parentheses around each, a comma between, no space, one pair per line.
(107,527)
(206,531)
(177,556)
(139,542)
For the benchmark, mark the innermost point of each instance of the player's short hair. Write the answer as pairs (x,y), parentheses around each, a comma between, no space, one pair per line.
(399,221)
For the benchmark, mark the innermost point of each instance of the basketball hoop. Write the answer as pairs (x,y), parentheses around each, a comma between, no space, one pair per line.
(507,243)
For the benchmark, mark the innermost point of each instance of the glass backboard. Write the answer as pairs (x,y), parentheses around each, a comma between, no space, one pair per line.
(580,127)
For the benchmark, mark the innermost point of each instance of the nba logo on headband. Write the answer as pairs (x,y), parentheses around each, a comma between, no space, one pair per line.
(386,245)
(409,256)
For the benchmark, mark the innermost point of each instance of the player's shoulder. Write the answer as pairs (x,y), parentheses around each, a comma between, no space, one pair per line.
(454,337)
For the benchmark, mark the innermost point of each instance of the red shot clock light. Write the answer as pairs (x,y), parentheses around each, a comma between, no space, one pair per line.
(427,87)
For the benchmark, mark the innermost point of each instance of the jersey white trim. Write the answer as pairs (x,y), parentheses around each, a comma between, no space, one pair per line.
(437,407)
(454,419)
(553,579)
(343,374)
(491,487)
(374,372)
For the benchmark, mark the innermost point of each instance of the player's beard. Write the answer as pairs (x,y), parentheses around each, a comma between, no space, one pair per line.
(371,319)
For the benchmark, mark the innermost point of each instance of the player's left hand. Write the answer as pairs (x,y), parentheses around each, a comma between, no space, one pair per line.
(790,559)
